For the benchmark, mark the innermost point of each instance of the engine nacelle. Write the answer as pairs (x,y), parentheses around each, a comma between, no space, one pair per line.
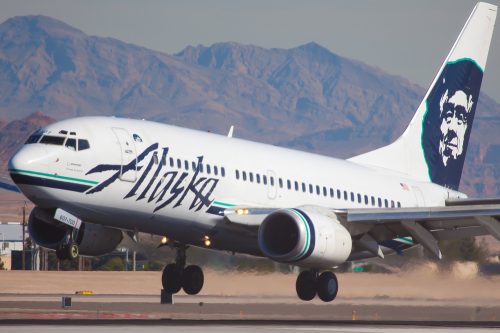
(305,238)
(92,240)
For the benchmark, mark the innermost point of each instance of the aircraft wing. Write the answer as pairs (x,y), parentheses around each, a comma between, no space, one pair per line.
(7,184)
(369,227)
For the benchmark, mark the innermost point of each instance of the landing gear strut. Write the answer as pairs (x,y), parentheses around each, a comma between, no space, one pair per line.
(311,283)
(176,276)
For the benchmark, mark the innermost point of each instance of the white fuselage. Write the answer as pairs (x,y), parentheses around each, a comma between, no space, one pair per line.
(179,194)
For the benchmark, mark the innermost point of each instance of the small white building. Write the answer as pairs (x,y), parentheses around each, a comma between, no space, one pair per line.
(11,238)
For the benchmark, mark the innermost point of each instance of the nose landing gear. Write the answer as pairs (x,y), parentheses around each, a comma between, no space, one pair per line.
(311,283)
(176,276)
(68,250)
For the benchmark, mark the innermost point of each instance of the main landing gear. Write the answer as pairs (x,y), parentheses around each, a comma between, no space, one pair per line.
(311,283)
(176,276)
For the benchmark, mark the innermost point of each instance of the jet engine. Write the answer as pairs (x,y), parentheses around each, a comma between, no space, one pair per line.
(92,240)
(304,237)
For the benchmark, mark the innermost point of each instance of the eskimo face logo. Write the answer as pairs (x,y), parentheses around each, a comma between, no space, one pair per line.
(455,110)
(447,124)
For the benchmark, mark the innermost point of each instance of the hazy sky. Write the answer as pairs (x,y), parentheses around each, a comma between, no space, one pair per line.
(403,37)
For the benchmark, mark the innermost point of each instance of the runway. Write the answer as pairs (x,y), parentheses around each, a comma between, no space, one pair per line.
(213,308)
(240,327)
(122,301)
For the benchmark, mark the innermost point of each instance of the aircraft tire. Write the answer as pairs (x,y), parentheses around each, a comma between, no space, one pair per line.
(192,280)
(171,279)
(328,286)
(72,251)
(306,285)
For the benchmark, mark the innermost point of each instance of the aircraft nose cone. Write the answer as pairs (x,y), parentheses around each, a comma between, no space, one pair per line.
(28,159)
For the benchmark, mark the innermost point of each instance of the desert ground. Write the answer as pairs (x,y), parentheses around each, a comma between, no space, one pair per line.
(424,283)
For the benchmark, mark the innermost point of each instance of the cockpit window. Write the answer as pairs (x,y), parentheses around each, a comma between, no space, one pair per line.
(71,144)
(33,138)
(83,144)
(52,140)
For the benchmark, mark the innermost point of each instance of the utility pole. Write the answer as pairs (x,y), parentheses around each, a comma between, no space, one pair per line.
(24,237)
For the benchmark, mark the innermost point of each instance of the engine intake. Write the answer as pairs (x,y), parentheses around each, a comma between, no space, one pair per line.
(304,237)
(93,239)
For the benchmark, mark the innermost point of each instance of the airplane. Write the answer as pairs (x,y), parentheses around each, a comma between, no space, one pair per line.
(96,180)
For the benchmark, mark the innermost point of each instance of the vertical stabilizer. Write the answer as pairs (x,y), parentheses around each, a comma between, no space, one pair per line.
(433,146)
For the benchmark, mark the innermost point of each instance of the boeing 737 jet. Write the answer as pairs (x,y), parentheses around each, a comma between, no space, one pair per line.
(95,179)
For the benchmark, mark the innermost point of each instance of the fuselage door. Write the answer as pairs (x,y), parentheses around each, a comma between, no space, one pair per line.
(419,196)
(128,169)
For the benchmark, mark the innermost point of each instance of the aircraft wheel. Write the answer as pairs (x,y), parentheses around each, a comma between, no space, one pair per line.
(192,280)
(171,278)
(328,286)
(306,285)
(72,251)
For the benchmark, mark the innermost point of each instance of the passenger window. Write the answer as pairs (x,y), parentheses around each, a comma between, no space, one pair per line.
(250,174)
(216,170)
(366,200)
(288,184)
(264,179)
(179,163)
(317,190)
(352,196)
(296,186)
(373,201)
(71,144)
(379,202)
(244,175)
(271,179)
(257,178)
(237,172)
(155,158)
(359,198)
(399,204)
(201,167)
(392,203)
(324,191)
(280,181)
(208,169)
(386,203)
(193,166)
(82,144)
(339,194)
(186,165)
(332,193)
(303,187)
(345,195)
(223,172)
(171,161)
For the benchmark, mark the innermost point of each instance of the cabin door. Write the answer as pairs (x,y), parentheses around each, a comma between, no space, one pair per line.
(128,167)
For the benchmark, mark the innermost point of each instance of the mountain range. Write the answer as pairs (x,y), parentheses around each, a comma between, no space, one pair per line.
(305,97)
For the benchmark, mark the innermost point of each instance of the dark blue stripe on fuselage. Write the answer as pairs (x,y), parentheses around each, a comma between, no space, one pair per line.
(312,244)
(215,210)
(38,181)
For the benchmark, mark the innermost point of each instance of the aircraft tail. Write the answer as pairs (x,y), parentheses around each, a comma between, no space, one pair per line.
(433,146)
